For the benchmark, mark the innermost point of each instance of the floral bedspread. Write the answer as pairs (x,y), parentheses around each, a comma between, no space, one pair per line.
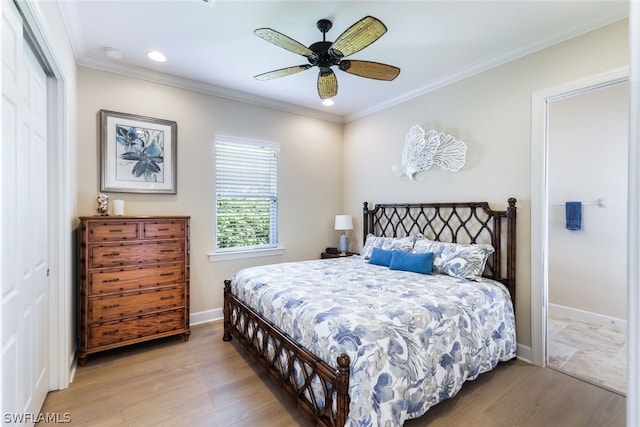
(413,339)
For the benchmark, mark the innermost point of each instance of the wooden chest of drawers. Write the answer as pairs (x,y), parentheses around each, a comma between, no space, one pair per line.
(134,280)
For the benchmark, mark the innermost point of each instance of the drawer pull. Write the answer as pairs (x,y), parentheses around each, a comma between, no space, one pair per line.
(166,274)
(114,332)
(167,321)
(111,280)
(108,307)
(166,298)
(115,230)
(165,251)
(112,254)
(163,229)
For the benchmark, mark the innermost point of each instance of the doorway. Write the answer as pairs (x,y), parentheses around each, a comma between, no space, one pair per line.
(587,146)
(540,100)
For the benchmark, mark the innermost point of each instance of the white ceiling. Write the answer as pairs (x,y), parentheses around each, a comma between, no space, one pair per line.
(211,46)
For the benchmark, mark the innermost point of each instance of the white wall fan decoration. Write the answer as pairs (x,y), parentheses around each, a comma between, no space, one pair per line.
(422,150)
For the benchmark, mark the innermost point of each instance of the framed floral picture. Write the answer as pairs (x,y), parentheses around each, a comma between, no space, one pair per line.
(138,154)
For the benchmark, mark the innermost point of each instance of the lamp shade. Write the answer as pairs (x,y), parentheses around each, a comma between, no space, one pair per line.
(343,222)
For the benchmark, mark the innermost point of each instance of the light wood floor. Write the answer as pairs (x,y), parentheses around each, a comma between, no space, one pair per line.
(208,382)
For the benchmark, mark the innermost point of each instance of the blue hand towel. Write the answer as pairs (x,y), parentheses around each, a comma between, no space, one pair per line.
(573,212)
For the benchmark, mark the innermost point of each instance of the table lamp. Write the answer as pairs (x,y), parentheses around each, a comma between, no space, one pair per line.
(343,222)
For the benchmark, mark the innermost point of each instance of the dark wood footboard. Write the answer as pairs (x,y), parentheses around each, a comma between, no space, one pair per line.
(316,386)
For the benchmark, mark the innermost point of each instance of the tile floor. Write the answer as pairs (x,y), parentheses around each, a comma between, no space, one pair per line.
(592,353)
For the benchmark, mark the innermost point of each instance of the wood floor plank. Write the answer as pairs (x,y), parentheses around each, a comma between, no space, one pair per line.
(208,382)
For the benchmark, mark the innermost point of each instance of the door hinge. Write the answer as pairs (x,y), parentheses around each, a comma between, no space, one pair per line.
(47,272)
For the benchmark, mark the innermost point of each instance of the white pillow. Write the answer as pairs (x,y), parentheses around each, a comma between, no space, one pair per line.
(462,260)
(387,243)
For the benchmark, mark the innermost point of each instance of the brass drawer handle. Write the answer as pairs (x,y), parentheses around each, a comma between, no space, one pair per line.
(115,230)
(114,332)
(112,254)
(166,321)
(166,250)
(167,298)
(166,274)
(108,307)
(111,280)
(163,229)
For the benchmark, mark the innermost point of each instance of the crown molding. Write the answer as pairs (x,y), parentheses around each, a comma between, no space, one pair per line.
(207,89)
(617,13)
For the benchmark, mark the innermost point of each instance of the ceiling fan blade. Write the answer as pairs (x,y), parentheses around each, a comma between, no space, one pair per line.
(371,70)
(285,42)
(282,72)
(327,84)
(358,36)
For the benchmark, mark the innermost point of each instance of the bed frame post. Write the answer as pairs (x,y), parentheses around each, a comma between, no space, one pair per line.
(511,249)
(366,223)
(226,309)
(342,389)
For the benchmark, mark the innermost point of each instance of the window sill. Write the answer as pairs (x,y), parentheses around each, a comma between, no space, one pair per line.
(253,253)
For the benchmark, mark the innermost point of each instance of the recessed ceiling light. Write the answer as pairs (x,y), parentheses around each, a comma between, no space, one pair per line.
(327,102)
(112,53)
(156,56)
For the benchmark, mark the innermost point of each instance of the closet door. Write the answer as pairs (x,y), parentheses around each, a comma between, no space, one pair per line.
(25,293)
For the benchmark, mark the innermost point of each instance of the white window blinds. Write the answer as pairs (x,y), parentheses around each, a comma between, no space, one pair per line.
(246,194)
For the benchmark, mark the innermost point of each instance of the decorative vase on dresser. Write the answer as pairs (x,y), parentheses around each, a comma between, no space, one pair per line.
(134,280)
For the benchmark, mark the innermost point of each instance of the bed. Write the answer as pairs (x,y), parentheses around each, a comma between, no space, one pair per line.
(370,340)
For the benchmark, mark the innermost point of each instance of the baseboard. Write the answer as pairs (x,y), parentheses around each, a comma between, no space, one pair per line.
(205,316)
(72,369)
(523,353)
(588,317)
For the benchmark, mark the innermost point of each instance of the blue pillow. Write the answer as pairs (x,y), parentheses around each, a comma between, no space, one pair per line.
(409,261)
(380,257)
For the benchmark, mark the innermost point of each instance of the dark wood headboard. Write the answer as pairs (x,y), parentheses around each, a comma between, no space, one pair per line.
(456,222)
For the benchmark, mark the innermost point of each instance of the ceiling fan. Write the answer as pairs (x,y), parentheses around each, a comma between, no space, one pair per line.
(326,54)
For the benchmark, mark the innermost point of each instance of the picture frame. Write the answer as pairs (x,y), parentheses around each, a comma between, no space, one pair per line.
(138,154)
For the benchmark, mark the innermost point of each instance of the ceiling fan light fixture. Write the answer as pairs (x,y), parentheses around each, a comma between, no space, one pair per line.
(157,56)
(328,102)
(327,84)
(325,54)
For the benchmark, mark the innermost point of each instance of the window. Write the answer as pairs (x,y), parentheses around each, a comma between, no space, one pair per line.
(246,195)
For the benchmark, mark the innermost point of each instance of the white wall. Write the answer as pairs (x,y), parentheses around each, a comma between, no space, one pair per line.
(587,160)
(310,175)
(491,112)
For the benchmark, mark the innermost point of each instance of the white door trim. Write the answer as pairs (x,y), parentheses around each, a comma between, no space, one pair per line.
(539,196)
(61,319)
(633,245)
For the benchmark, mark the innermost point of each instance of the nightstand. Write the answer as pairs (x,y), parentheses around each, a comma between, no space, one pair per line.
(325,255)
